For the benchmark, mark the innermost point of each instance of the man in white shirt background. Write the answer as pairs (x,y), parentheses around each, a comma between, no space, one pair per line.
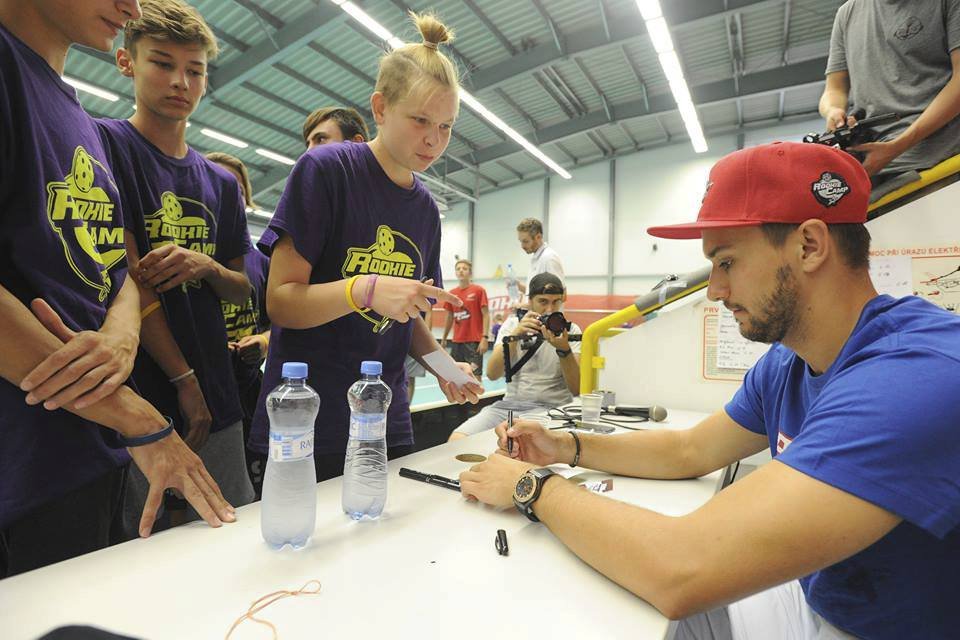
(543,258)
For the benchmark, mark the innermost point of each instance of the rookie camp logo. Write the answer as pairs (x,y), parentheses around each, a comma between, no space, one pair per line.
(829,189)
(81,214)
(391,255)
(240,320)
(184,222)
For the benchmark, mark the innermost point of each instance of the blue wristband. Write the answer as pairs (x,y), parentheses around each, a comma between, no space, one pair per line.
(139,441)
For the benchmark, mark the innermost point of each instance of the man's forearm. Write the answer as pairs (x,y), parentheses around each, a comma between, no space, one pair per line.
(661,454)
(641,550)
(123,316)
(25,343)
(486,322)
(570,366)
(834,99)
(232,286)
(944,108)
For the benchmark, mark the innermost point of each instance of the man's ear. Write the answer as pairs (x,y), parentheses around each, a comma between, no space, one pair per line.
(358,138)
(125,62)
(814,244)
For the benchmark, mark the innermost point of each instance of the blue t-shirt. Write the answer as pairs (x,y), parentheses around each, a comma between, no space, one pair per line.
(882,423)
(62,241)
(194,203)
(346,218)
(249,318)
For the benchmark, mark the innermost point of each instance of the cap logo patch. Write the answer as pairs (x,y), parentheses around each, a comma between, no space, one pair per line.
(706,191)
(829,189)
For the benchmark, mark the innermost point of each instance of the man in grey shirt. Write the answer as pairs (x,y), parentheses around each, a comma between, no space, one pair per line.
(902,57)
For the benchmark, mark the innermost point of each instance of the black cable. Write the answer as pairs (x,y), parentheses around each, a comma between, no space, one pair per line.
(570,415)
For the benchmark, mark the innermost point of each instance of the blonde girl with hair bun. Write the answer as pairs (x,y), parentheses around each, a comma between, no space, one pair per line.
(333,296)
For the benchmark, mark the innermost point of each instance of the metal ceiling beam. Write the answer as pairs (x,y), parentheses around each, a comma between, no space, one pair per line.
(770,80)
(565,89)
(624,27)
(261,13)
(630,137)
(267,95)
(558,39)
(787,10)
(565,151)
(736,53)
(510,169)
(605,140)
(523,114)
(593,85)
(343,64)
(491,27)
(539,77)
(636,75)
(266,124)
(316,86)
(297,34)
(603,18)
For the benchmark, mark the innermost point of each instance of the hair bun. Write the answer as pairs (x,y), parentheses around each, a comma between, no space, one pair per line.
(432,31)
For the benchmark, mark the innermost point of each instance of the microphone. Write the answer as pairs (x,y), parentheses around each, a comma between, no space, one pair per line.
(656,413)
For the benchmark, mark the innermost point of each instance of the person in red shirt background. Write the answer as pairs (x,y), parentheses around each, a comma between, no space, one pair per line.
(470,323)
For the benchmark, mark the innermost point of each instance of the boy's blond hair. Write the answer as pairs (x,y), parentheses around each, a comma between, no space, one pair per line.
(170,21)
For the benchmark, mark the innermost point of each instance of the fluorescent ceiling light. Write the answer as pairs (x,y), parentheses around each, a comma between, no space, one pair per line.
(91,89)
(649,9)
(222,137)
(266,153)
(492,118)
(384,34)
(670,63)
(660,35)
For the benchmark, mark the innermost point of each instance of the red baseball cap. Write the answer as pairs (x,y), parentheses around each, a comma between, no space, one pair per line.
(786,182)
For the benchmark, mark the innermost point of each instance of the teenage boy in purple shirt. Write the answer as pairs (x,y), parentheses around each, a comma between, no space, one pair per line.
(187,215)
(60,479)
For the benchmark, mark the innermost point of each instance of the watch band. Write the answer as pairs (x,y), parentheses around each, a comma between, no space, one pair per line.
(563,353)
(540,476)
(150,438)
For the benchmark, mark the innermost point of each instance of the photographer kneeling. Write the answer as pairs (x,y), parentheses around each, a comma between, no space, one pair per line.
(551,375)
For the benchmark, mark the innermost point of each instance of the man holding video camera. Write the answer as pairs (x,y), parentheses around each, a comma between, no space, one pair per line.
(903,58)
(544,359)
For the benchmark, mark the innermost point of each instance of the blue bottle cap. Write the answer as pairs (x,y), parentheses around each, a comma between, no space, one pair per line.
(371,367)
(294,370)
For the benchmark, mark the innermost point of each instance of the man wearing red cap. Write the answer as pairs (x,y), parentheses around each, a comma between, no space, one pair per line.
(857,515)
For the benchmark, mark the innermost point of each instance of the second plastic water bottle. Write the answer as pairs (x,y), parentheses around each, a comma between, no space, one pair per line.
(288,511)
(365,467)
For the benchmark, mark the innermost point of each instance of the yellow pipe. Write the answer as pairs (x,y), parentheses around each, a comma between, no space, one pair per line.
(593,333)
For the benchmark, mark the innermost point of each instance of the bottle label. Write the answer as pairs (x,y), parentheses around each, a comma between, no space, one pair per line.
(284,447)
(365,426)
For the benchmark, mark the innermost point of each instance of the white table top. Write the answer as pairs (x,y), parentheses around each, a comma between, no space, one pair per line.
(427,568)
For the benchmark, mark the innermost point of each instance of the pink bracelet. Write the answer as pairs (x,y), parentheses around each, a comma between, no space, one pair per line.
(368,294)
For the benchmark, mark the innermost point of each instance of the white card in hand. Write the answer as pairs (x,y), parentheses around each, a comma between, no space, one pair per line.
(445,367)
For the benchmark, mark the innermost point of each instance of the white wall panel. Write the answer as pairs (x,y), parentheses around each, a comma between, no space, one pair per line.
(579,221)
(495,225)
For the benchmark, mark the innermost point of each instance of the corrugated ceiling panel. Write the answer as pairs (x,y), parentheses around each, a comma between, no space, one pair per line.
(610,70)
(704,52)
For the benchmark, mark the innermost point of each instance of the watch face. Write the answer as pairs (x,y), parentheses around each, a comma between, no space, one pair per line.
(525,487)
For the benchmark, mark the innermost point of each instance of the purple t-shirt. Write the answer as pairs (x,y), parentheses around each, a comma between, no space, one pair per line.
(346,218)
(62,240)
(197,204)
(250,317)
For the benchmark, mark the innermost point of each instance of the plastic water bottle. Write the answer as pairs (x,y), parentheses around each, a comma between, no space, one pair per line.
(365,467)
(513,289)
(288,511)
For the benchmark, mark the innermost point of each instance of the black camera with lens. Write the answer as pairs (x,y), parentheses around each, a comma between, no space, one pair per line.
(846,136)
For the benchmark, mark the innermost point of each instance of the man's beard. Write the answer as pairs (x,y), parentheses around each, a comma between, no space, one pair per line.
(780,311)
